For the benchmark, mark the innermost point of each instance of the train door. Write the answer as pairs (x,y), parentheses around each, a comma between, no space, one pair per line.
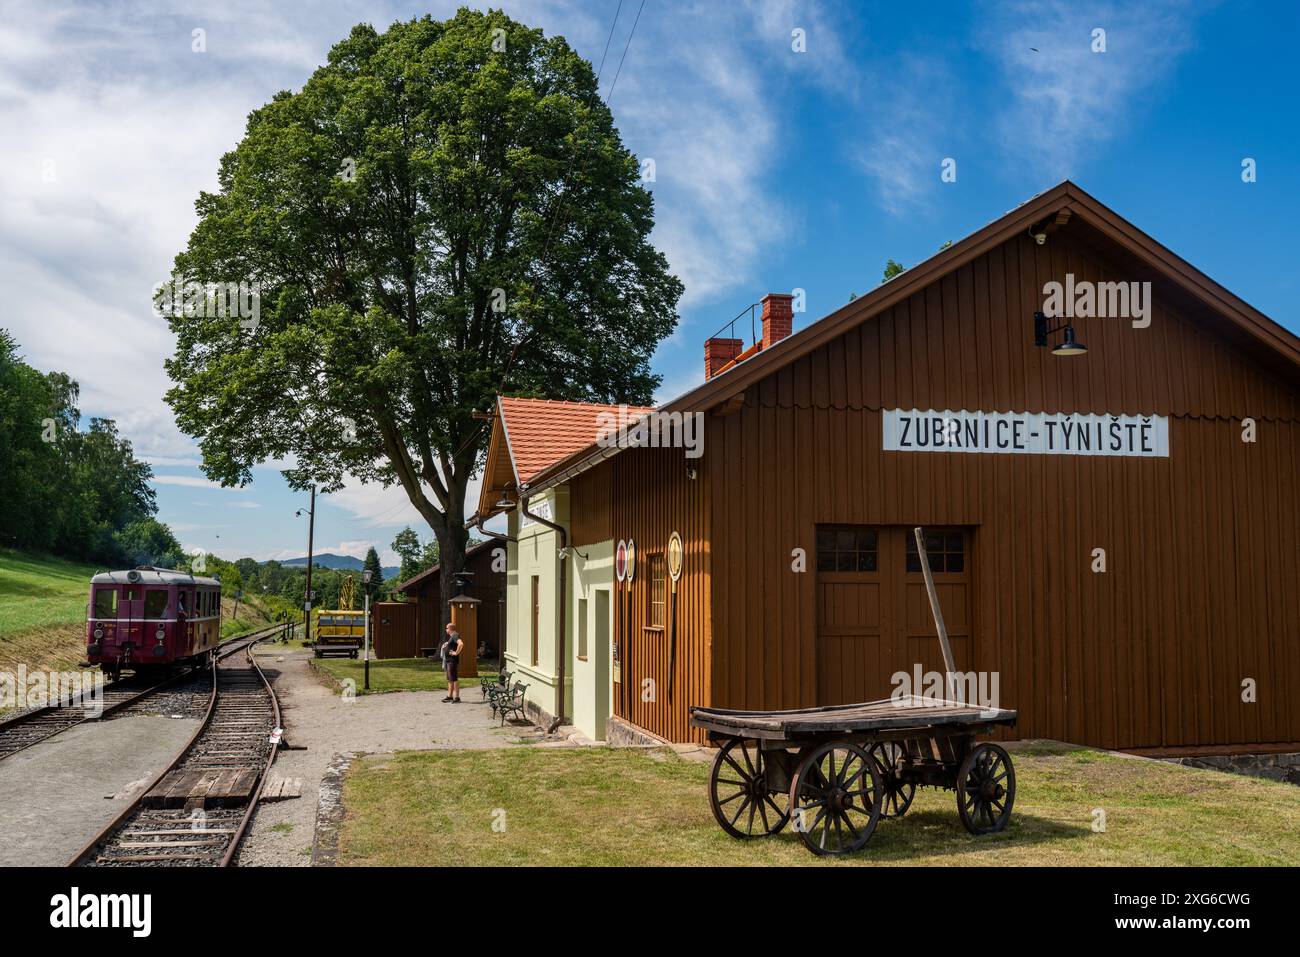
(130,617)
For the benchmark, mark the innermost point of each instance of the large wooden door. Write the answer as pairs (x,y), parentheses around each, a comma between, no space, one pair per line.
(873,614)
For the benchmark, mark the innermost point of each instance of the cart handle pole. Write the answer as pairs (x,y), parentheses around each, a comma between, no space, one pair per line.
(948,663)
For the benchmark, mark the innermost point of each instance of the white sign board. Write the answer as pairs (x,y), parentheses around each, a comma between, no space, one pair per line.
(1030,433)
(542,509)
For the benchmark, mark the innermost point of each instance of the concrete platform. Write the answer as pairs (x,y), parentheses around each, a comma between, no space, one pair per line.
(53,796)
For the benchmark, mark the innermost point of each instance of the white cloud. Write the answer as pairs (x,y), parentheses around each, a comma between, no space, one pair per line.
(1066,100)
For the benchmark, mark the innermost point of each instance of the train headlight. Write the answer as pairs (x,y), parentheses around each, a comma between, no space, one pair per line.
(99,633)
(160,634)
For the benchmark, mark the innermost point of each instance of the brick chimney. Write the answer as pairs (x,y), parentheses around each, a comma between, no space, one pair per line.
(778,317)
(717,353)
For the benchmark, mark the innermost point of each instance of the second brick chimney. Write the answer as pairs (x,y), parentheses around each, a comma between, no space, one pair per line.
(778,317)
(717,353)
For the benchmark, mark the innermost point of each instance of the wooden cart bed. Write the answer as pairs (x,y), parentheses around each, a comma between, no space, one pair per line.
(889,714)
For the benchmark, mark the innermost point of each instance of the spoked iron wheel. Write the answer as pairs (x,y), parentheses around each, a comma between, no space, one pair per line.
(890,757)
(739,795)
(836,798)
(986,789)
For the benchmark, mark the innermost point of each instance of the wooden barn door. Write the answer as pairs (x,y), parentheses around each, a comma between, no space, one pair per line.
(873,616)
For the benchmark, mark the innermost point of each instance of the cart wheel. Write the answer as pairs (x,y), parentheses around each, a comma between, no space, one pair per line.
(836,798)
(986,789)
(890,758)
(742,802)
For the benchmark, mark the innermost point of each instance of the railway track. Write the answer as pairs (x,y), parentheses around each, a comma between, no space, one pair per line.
(196,811)
(31,727)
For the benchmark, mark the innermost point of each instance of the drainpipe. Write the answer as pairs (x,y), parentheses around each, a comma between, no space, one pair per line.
(476,522)
(564,600)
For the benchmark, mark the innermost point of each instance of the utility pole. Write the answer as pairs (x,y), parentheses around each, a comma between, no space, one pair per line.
(366,575)
(306,603)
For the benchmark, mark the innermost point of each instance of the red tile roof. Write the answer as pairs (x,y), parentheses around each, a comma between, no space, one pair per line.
(541,432)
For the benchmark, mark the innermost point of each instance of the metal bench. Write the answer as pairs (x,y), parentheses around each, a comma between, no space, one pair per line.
(510,702)
(490,683)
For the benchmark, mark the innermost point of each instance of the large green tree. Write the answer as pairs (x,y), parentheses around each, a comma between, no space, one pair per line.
(445,211)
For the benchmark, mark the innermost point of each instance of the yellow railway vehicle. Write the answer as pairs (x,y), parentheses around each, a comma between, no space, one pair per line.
(339,631)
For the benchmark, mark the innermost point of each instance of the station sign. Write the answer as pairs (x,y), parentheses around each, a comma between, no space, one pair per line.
(1028,433)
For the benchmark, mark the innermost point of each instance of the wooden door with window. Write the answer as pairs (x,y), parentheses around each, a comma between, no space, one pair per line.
(873,614)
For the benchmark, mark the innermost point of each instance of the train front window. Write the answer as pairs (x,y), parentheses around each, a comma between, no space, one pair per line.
(106,603)
(155,603)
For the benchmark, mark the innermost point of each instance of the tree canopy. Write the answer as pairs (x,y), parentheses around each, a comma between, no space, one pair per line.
(443,212)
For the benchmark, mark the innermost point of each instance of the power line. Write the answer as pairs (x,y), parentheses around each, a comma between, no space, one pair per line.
(610,95)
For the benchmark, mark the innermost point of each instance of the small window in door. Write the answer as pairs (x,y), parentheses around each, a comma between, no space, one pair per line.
(106,603)
(946,551)
(847,548)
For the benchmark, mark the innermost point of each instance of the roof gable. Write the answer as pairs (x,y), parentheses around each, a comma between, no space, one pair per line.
(1064,201)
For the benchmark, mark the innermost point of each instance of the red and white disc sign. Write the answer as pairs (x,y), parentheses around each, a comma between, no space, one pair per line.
(620,560)
(631,559)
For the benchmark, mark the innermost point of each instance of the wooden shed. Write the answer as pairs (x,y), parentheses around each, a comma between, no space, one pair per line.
(1115,533)
(408,633)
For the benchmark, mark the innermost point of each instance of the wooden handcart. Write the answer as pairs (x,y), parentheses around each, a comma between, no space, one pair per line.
(835,771)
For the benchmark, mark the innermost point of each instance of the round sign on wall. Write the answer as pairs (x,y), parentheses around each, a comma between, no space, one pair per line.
(631,559)
(620,560)
(675,556)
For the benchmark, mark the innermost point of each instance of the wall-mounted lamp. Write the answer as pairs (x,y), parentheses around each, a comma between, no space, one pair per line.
(1068,346)
(505,504)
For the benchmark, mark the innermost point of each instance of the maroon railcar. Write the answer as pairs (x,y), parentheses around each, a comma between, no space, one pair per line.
(151,618)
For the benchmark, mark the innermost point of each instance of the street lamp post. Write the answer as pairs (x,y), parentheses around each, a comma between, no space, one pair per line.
(366,576)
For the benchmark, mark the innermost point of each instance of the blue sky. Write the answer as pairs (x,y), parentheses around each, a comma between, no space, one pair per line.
(775,169)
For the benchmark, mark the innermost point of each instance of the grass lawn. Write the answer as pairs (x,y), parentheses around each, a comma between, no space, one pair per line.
(398,674)
(599,806)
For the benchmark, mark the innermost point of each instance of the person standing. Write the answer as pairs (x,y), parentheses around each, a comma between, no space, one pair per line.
(451,658)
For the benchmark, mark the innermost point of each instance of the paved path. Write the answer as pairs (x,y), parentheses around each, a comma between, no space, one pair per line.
(53,795)
(318,718)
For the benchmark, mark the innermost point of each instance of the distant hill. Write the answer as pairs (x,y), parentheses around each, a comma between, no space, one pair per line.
(343,562)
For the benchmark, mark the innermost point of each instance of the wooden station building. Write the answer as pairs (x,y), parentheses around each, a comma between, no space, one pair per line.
(1114,531)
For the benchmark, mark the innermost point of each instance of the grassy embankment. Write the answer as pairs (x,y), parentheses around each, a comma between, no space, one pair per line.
(599,806)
